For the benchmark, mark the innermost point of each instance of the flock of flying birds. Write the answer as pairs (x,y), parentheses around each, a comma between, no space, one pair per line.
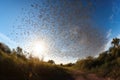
(66,25)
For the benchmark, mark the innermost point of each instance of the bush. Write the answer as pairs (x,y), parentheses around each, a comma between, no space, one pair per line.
(13,67)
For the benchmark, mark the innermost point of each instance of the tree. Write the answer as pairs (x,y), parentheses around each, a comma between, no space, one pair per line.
(20,54)
(69,65)
(19,51)
(115,42)
(51,62)
(4,48)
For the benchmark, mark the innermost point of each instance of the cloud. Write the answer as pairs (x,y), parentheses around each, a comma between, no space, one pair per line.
(109,33)
(5,39)
(118,36)
(108,44)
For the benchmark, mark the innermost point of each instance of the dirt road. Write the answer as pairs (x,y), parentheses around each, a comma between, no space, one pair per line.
(78,75)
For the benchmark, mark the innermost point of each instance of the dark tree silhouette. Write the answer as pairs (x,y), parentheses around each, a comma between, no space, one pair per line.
(19,50)
(51,62)
(115,42)
(4,48)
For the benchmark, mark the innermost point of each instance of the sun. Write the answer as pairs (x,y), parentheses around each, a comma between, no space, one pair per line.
(39,48)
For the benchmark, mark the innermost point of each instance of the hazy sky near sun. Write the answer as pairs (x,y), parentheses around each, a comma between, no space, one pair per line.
(72,29)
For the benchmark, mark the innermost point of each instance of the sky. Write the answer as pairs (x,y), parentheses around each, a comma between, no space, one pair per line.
(69,29)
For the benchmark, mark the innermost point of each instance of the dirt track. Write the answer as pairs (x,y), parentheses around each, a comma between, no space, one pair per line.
(78,75)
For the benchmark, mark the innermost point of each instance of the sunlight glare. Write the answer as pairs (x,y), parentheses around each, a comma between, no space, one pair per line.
(39,48)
